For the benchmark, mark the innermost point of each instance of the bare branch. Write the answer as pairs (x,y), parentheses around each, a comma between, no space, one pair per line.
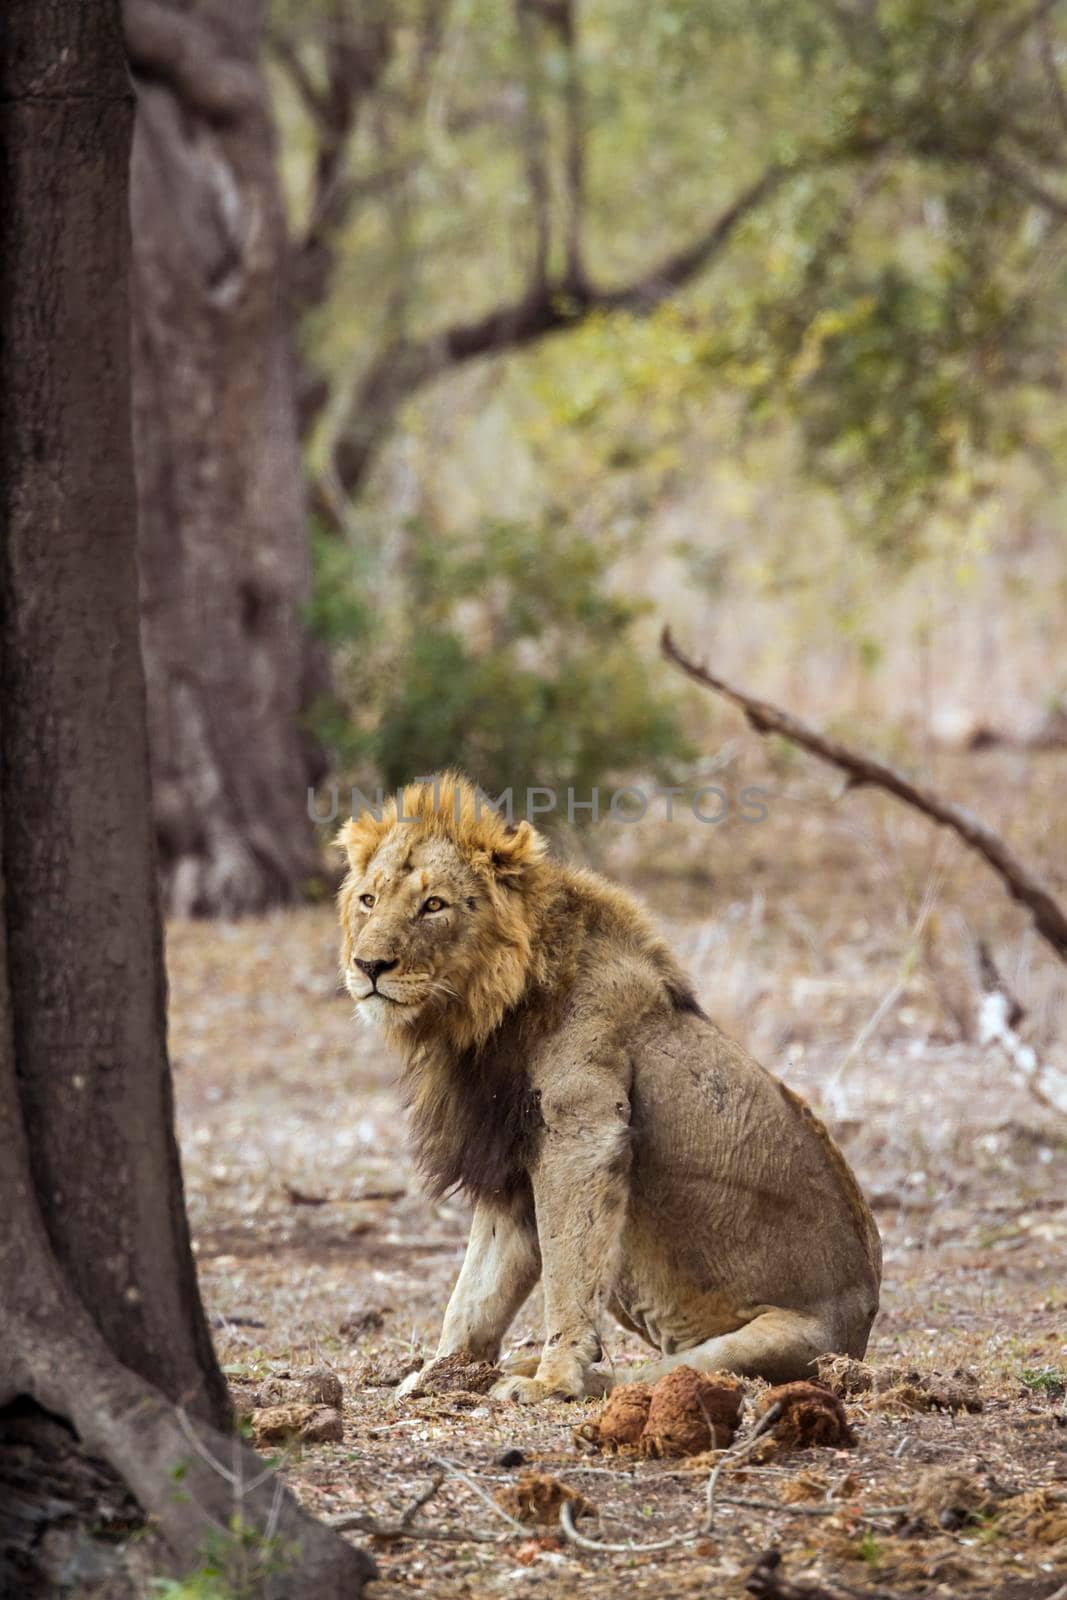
(483,1494)
(423,1498)
(357,53)
(1052,73)
(405,365)
(1018,177)
(290,60)
(1019,26)
(363,1522)
(535,141)
(674,271)
(404,1527)
(1048,915)
(796,1509)
(574,156)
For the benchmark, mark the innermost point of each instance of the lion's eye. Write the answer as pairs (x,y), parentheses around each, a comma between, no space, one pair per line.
(366,900)
(434,903)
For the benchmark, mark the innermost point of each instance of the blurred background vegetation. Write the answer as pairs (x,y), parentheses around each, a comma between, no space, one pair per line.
(509,332)
(829,446)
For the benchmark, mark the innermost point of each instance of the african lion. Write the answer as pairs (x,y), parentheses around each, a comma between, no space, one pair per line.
(614,1142)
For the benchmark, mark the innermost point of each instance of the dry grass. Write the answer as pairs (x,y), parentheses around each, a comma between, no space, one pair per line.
(832,923)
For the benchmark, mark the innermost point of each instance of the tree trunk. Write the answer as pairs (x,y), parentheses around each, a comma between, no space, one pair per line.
(101,1323)
(224,555)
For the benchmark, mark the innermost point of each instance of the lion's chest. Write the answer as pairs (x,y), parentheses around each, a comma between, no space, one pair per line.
(476,1128)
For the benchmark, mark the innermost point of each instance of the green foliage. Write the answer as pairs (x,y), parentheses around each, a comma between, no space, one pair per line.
(202,1585)
(870,1550)
(1044,1380)
(898,302)
(890,385)
(509,654)
(865,377)
(236,1563)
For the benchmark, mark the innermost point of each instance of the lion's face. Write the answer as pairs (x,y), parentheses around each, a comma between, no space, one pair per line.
(438,913)
(411,927)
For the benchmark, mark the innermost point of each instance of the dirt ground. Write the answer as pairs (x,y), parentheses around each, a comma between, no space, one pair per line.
(836,940)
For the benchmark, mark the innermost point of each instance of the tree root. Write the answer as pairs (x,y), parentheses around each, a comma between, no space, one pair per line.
(205,1493)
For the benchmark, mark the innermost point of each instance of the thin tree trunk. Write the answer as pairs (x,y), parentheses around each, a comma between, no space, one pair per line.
(224,554)
(101,1322)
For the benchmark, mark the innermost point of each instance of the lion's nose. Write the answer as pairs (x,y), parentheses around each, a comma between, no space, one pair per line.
(374,968)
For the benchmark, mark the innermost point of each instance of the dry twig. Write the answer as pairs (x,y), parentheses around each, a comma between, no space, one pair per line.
(483,1494)
(403,1528)
(835,1508)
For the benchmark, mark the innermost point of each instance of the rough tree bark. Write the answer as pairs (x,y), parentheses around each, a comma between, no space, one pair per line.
(224,557)
(101,1323)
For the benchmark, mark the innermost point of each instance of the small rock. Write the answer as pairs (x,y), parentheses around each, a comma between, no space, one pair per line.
(314,1386)
(301,1424)
(537,1497)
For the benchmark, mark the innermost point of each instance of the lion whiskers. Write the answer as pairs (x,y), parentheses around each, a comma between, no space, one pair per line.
(441,987)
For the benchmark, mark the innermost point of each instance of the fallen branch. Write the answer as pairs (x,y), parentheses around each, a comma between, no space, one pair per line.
(834,1508)
(483,1494)
(363,1522)
(1048,915)
(423,1498)
(404,1528)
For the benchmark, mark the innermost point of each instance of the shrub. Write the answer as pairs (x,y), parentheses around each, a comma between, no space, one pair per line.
(508,654)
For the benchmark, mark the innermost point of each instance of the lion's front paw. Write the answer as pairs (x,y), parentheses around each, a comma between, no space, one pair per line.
(529,1391)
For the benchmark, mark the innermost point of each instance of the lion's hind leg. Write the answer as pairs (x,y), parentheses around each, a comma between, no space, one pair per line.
(778,1345)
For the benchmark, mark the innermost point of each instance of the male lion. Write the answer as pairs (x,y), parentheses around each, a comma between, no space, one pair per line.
(614,1142)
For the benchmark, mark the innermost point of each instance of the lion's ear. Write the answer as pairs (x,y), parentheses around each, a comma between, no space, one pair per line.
(359,838)
(521,847)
